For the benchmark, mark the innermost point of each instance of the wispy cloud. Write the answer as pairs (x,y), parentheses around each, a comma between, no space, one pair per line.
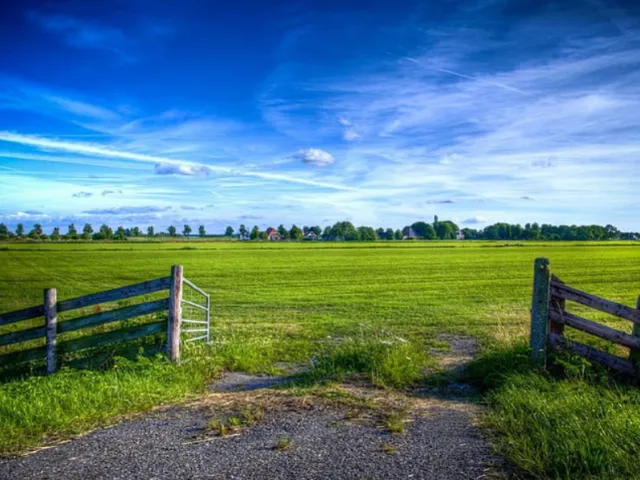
(82,33)
(82,195)
(474,220)
(111,192)
(440,202)
(182,169)
(127,210)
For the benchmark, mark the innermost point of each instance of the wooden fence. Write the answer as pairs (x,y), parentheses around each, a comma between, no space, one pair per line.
(549,319)
(52,328)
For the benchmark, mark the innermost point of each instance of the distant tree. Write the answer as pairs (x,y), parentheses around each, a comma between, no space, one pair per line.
(284,233)
(380,232)
(72,233)
(263,235)
(326,234)
(34,232)
(186,231)
(255,233)
(19,230)
(150,231)
(389,234)
(228,232)
(435,221)
(171,230)
(344,231)
(87,231)
(295,233)
(55,235)
(243,231)
(316,229)
(424,230)
(105,233)
(38,229)
(446,230)
(202,232)
(136,232)
(305,229)
(367,234)
(4,232)
(398,235)
(120,233)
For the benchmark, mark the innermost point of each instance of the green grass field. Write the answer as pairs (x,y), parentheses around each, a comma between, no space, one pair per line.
(289,302)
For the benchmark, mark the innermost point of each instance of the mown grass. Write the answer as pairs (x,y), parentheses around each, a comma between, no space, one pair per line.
(307,304)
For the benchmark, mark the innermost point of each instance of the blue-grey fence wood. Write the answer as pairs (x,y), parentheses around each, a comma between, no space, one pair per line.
(52,327)
(549,317)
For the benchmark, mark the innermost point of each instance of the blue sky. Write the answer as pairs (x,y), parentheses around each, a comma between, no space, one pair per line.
(383,113)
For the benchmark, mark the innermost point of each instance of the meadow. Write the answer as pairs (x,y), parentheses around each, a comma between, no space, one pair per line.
(277,303)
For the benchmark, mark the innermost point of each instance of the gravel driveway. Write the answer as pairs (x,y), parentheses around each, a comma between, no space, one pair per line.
(441,444)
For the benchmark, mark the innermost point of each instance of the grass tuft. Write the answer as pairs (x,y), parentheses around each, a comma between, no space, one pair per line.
(284,443)
(395,421)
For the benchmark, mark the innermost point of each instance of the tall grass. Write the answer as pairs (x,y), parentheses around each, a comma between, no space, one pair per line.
(575,423)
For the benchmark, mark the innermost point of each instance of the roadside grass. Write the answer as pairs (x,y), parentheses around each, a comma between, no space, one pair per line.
(38,410)
(576,422)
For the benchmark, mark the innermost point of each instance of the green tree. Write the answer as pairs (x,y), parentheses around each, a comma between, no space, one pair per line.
(326,234)
(255,233)
(4,232)
(446,230)
(120,234)
(398,234)
(228,232)
(263,235)
(389,234)
(19,230)
(136,232)
(295,233)
(316,229)
(380,232)
(36,232)
(105,232)
(87,231)
(201,231)
(171,230)
(55,236)
(367,234)
(72,233)
(284,233)
(243,231)
(424,230)
(186,231)
(150,231)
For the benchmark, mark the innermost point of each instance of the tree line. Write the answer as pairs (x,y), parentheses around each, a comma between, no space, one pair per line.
(340,231)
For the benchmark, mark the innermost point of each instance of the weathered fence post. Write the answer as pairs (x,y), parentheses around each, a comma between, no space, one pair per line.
(51,326)
(634,354)
(175,314)
(540,312)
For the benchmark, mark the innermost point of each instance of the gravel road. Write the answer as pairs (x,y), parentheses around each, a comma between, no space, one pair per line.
(442,444)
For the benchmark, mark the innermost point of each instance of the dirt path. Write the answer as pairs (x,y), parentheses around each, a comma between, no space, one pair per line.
(340,432)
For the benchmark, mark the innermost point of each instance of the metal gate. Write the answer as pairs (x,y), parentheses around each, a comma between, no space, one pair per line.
(196,313)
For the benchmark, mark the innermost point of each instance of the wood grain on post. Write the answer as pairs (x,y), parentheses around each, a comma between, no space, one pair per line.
(557,305)
(540,312)
(634,354)
(51,326)
(175,314)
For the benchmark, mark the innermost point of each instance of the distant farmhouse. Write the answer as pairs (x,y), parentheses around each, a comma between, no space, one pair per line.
(310,235)
(408,233)
(272,234)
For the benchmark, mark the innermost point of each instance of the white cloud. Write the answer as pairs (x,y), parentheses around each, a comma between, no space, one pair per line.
(182,169)
(314,156)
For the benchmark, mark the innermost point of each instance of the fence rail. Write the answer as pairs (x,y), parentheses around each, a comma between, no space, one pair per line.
(52,328)
(549,318)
